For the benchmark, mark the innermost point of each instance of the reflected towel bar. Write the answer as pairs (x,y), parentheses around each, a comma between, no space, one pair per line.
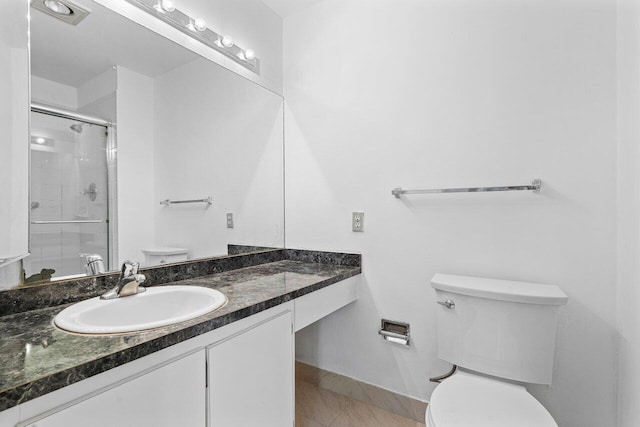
(208,201)
(535,186)
(72,221)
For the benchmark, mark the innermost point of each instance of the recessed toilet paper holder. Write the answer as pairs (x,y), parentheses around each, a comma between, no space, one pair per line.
(395,332)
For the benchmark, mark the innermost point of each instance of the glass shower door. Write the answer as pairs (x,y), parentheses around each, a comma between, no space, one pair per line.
(69,198)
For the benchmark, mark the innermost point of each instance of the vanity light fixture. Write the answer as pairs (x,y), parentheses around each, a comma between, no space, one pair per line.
(249,54)
(164,6)
(197,24)
(196,28)
(200,24)
(227,41)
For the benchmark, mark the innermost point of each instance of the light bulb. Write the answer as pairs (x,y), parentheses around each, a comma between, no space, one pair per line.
(250,54)
(167,5)
(227,41)
(40,140)
(199,24)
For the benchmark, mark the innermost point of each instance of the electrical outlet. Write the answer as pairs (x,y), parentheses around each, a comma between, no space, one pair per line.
(357,221)
(229,220)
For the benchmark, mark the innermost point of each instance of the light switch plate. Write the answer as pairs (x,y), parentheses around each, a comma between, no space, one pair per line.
(229,220)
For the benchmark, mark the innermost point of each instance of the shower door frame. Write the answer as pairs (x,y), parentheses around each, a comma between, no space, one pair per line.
(112,165)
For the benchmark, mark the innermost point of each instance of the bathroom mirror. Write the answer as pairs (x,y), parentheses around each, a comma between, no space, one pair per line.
(124,119)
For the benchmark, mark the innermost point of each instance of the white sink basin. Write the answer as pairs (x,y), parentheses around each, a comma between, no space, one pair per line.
(158,306)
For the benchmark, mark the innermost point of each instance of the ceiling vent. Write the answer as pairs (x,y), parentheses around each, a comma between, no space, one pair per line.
(64,10)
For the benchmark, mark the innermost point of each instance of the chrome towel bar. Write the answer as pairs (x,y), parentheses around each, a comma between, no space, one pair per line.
(72,221)
(208,201)
(535,186)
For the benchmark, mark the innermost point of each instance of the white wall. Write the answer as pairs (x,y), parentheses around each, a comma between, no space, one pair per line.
(458,93)
(53,93)
(136,197)
(219,135)
(88,98)
(629,212)
(97,97)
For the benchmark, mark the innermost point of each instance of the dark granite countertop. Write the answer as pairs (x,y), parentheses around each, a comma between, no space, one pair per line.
(38,358)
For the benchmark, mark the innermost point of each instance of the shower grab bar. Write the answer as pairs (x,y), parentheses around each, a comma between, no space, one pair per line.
(535,186)
(168,202)
(72,221)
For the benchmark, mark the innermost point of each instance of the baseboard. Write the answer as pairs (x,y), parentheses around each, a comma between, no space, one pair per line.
(405,406)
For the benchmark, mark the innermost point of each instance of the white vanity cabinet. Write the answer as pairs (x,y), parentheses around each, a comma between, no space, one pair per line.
(168,396)
(251,377)
(239,375)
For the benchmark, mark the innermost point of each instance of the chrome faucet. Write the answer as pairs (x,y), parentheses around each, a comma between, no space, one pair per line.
(128,283)
(95,264)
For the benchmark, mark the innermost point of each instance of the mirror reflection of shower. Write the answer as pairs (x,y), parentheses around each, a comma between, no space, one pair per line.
(69,197)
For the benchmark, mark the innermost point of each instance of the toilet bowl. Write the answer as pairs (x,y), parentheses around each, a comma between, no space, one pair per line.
(500,334)
(470,400)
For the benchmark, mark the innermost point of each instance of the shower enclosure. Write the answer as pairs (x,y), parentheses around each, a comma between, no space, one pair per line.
(70,160)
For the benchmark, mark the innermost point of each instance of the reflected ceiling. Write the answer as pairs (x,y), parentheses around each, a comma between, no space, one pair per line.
(92,53)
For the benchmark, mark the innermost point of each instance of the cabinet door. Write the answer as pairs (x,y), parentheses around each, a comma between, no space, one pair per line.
(251,377)
(172,395)
(14,133)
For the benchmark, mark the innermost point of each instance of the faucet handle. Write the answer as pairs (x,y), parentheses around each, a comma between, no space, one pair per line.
(135,267)
(129,268)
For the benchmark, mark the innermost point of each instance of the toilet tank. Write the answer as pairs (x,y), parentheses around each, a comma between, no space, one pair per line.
(163,255)
(498,327)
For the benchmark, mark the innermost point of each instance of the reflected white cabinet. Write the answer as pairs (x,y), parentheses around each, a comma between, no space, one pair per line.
(14,132)
(171,395)
(251,377)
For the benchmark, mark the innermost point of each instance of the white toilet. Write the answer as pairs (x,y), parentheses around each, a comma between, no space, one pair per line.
(163,255)
(500,334)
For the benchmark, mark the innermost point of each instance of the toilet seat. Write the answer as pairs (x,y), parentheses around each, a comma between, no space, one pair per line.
(469,400)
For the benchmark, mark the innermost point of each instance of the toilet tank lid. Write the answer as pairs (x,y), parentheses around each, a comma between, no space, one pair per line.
(503,290)
(164,251)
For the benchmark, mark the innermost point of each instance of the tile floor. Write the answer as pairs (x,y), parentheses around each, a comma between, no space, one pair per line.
(319,407)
